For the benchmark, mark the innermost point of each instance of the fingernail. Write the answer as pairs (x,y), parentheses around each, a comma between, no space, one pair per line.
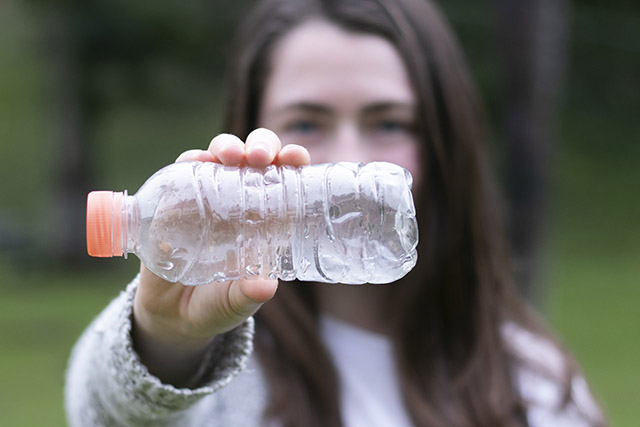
(264,147)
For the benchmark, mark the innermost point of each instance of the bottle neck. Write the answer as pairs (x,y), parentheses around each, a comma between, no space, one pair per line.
(130,224)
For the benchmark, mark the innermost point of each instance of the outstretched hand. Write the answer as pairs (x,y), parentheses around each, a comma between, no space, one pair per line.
(173,323)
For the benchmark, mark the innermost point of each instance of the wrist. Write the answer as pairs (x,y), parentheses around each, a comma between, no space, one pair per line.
(165,333)
(173,358)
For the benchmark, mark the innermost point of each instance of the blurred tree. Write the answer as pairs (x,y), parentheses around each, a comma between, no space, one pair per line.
(532,40)
(101,51)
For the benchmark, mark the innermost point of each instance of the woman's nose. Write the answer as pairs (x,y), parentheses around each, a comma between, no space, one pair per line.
(348,145)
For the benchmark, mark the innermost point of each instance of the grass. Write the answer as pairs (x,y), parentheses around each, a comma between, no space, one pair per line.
(41,316)
(593,269)
(594,308)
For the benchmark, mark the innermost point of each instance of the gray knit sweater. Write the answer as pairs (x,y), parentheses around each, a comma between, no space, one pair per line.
(107,385)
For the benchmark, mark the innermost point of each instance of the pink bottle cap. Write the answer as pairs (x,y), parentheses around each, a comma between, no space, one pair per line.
(104,224)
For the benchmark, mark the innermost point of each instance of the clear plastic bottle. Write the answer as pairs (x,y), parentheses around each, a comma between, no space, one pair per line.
(196,222)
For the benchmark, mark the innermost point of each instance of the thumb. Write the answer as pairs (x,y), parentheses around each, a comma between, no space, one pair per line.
(247,296)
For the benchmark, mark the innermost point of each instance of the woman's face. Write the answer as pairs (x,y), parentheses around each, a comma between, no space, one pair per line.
(345,96)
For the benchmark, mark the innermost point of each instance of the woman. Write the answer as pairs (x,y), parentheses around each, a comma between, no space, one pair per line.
(450,344)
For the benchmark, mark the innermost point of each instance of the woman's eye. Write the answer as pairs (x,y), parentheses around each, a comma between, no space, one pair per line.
(303,127)
(390,126)
(384,132)
(304,132)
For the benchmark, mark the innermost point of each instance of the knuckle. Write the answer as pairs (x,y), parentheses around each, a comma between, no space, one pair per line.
(224,140)
(234,311)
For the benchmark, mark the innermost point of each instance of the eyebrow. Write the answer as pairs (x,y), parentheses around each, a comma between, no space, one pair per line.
(305,106)
(387,105)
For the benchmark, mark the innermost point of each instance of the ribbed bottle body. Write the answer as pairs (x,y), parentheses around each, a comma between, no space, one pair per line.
(348,223)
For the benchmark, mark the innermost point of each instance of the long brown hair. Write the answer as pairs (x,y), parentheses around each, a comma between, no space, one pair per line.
(446,315)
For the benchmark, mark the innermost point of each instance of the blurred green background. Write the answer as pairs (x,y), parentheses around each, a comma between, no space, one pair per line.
(137,84)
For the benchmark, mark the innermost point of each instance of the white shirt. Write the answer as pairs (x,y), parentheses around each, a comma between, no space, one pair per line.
(371,395)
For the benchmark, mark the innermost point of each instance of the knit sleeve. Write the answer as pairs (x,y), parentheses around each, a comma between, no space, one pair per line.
(107,385)
(540,379)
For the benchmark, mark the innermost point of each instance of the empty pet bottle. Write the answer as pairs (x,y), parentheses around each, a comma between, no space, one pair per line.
(195,223)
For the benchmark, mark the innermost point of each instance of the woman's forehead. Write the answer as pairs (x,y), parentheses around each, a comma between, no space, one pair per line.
(318,59)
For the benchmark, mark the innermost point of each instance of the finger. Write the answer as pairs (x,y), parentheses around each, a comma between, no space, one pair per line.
(227,149)
(247,296)
(195,155)
(262,147)
(293,155)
